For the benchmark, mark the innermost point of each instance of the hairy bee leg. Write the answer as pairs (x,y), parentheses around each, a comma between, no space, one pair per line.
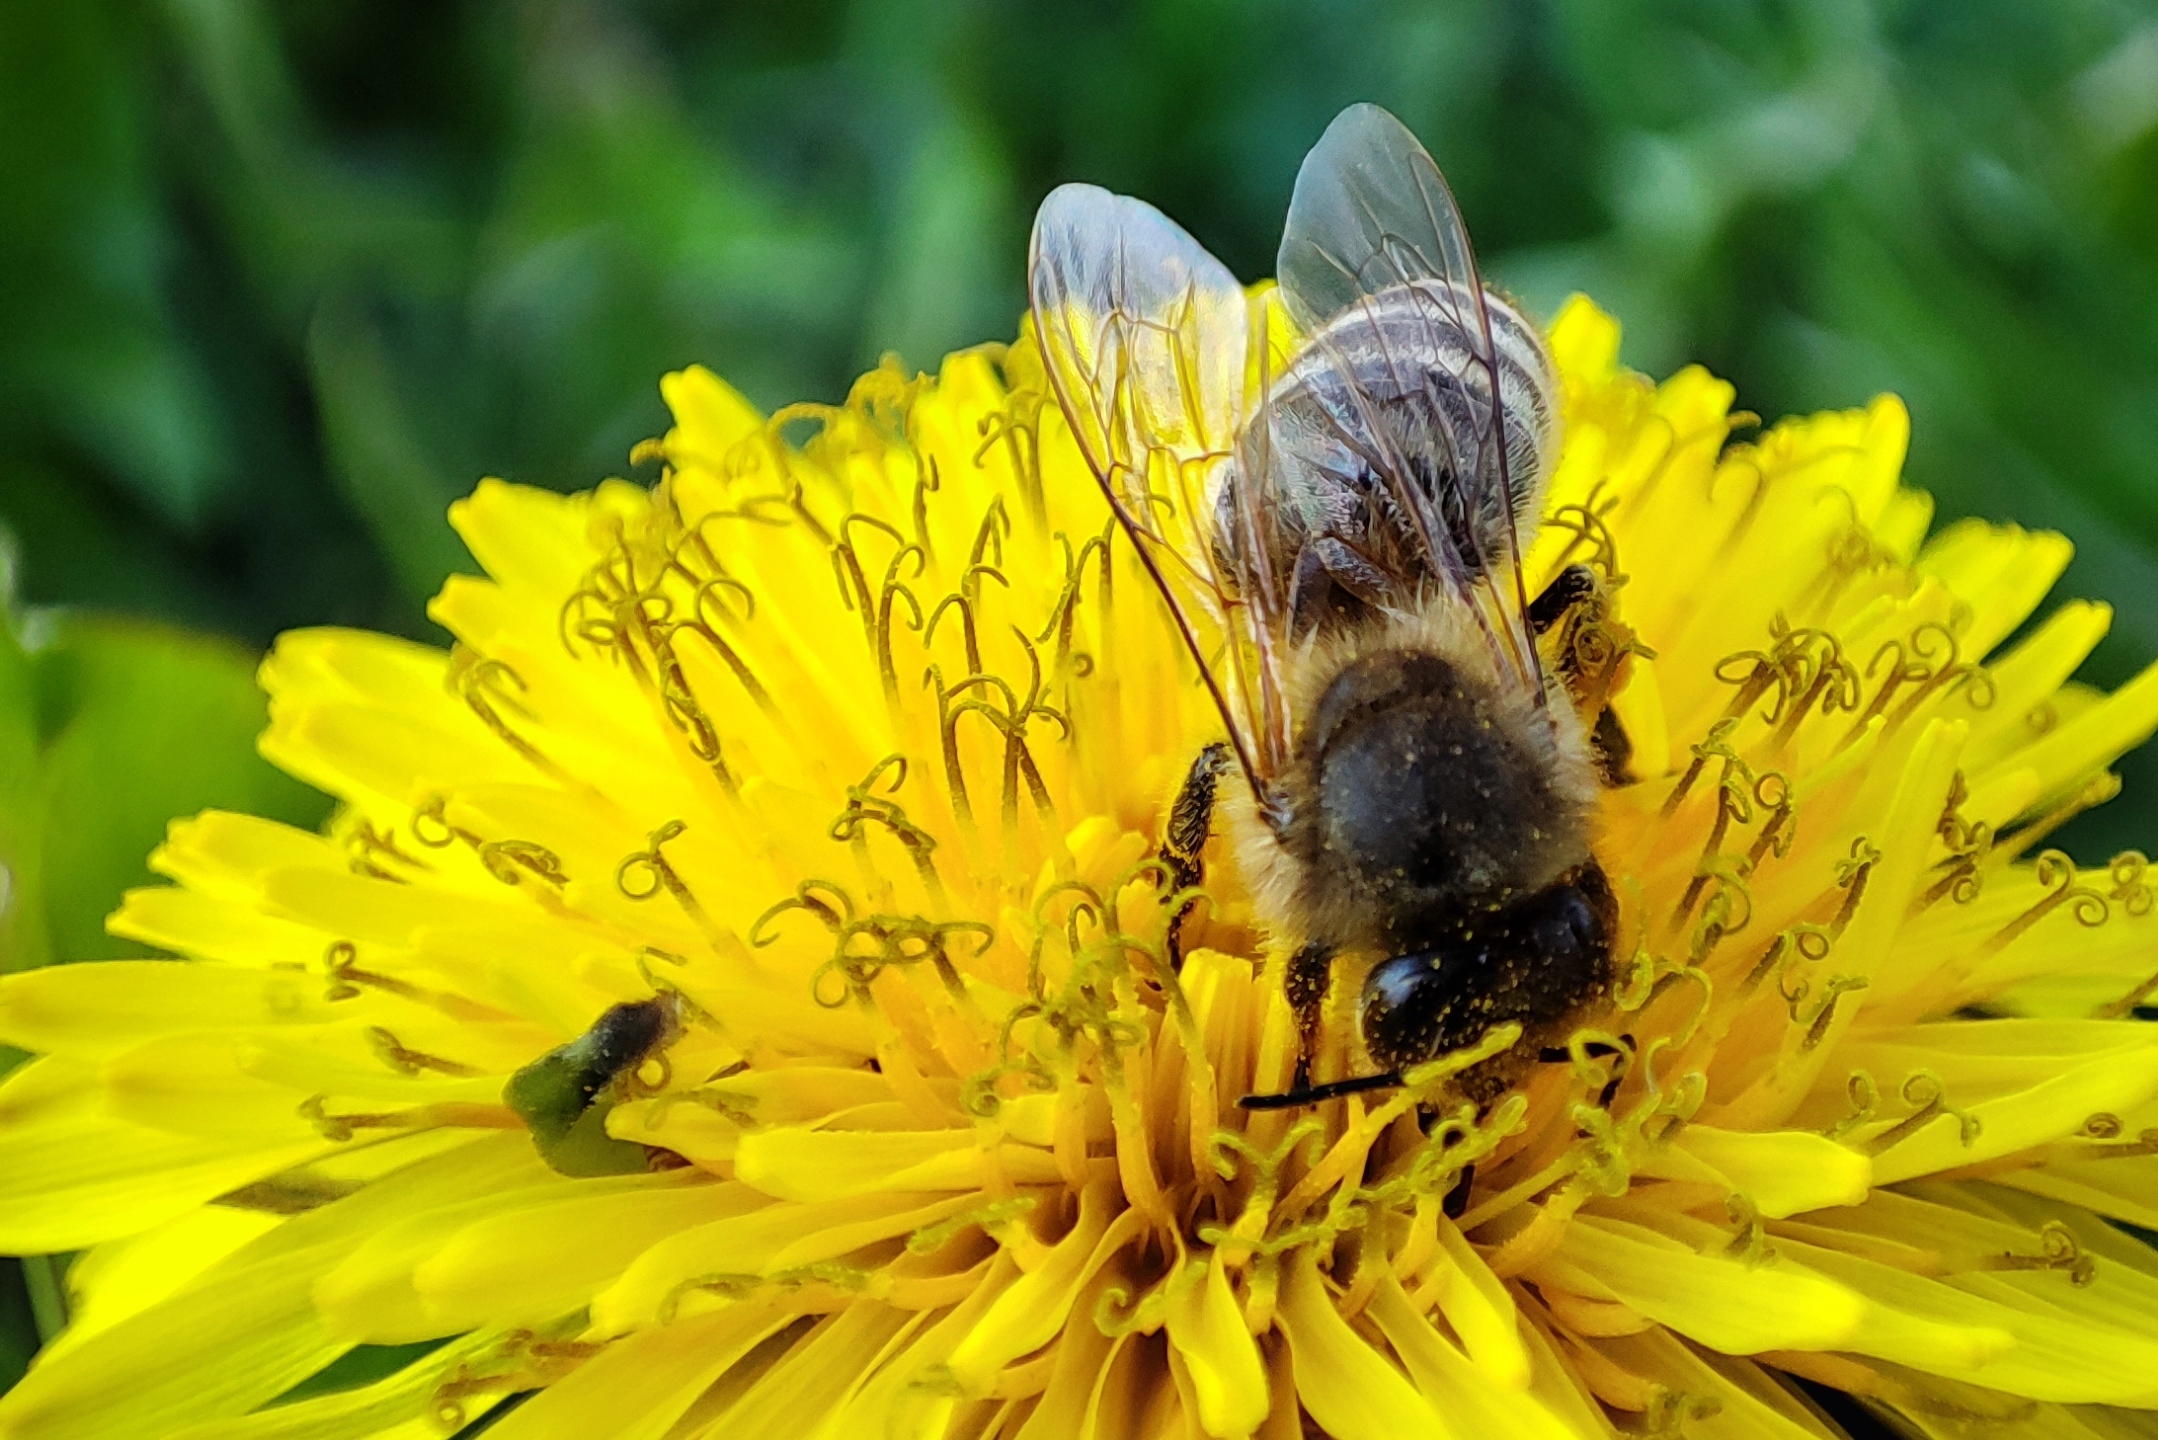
(1304,987)
(1567,589)
(1191,820)
(1571,588)
(1613,749)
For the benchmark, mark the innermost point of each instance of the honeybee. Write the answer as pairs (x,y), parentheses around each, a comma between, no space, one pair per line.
(1333,487)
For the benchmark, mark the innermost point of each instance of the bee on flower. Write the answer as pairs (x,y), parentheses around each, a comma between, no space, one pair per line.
(1312,859)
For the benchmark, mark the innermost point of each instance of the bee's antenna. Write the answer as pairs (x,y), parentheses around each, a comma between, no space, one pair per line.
(1314,1094)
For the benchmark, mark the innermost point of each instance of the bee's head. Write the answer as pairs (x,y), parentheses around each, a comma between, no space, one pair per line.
(1429,797)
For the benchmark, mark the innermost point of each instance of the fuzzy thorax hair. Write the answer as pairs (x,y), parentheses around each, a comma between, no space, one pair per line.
(1425,787)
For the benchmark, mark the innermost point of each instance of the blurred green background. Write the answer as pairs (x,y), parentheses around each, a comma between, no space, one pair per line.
(280,280)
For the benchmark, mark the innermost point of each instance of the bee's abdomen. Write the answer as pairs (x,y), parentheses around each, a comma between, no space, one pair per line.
(1389,410)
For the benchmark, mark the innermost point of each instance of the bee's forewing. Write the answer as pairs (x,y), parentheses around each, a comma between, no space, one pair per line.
(1370,211)
(1371,216)
(1144,338)
(1143,331)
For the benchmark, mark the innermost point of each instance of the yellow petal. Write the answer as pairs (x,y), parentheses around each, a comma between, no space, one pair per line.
(703,1137)
(484,1274)
(2071,751)
(399,1407)
(2122,1189)
(803,1393)
(1719,1301)
(1584,342)
(96,1010)
(2026,677)
(710,416)
(2114,1082)
(373,1293)
(2002,569)
(1082,1356)
(1349,1388)
(124,1277)
(70,1176)
(800,1164)
(221,854)
(215,1084)
(1476,1303)
(191,922)
(244,1330)
(1027,1315)
(212,1350)
(1640,713)
(1742,1401)
(909,1396)
(1455,1385)
(793,1234)
(2016,1346)
(1783,1172)
(639,1386)
(1228,1377)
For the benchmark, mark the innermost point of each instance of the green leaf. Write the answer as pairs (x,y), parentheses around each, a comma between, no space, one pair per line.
(138,724)
(361,1365)
(18,1324)
(23,940)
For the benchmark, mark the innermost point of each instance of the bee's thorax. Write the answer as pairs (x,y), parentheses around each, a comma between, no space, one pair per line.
(1423,791)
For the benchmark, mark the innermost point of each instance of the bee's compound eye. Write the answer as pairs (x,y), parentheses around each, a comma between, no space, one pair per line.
(1531,962)
(1407,1003)
(1564,927)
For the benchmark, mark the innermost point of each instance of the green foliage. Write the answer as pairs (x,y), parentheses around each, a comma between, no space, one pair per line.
(18,1325)
(361,1365)
(137,723)
(108,729)
(277,282)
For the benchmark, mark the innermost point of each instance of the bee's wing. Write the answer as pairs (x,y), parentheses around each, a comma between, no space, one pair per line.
(1371,214)
(1144,337)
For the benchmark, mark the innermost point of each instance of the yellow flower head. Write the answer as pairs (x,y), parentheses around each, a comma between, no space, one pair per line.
(734,998)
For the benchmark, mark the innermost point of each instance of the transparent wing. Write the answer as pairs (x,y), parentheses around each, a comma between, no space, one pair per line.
(1144,337)
(1370,211)
(1375,264)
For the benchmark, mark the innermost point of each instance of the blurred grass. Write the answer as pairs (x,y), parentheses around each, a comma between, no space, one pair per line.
(278,281)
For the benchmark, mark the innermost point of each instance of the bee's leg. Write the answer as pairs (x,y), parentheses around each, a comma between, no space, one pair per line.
(1457,1198)
(1191,819)
(1613,749)
(1567,589)
(1571,588)
(1559,1055)
(1625,1056)
(1304,986)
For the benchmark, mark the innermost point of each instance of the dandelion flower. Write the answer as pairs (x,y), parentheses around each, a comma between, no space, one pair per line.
(732,998)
